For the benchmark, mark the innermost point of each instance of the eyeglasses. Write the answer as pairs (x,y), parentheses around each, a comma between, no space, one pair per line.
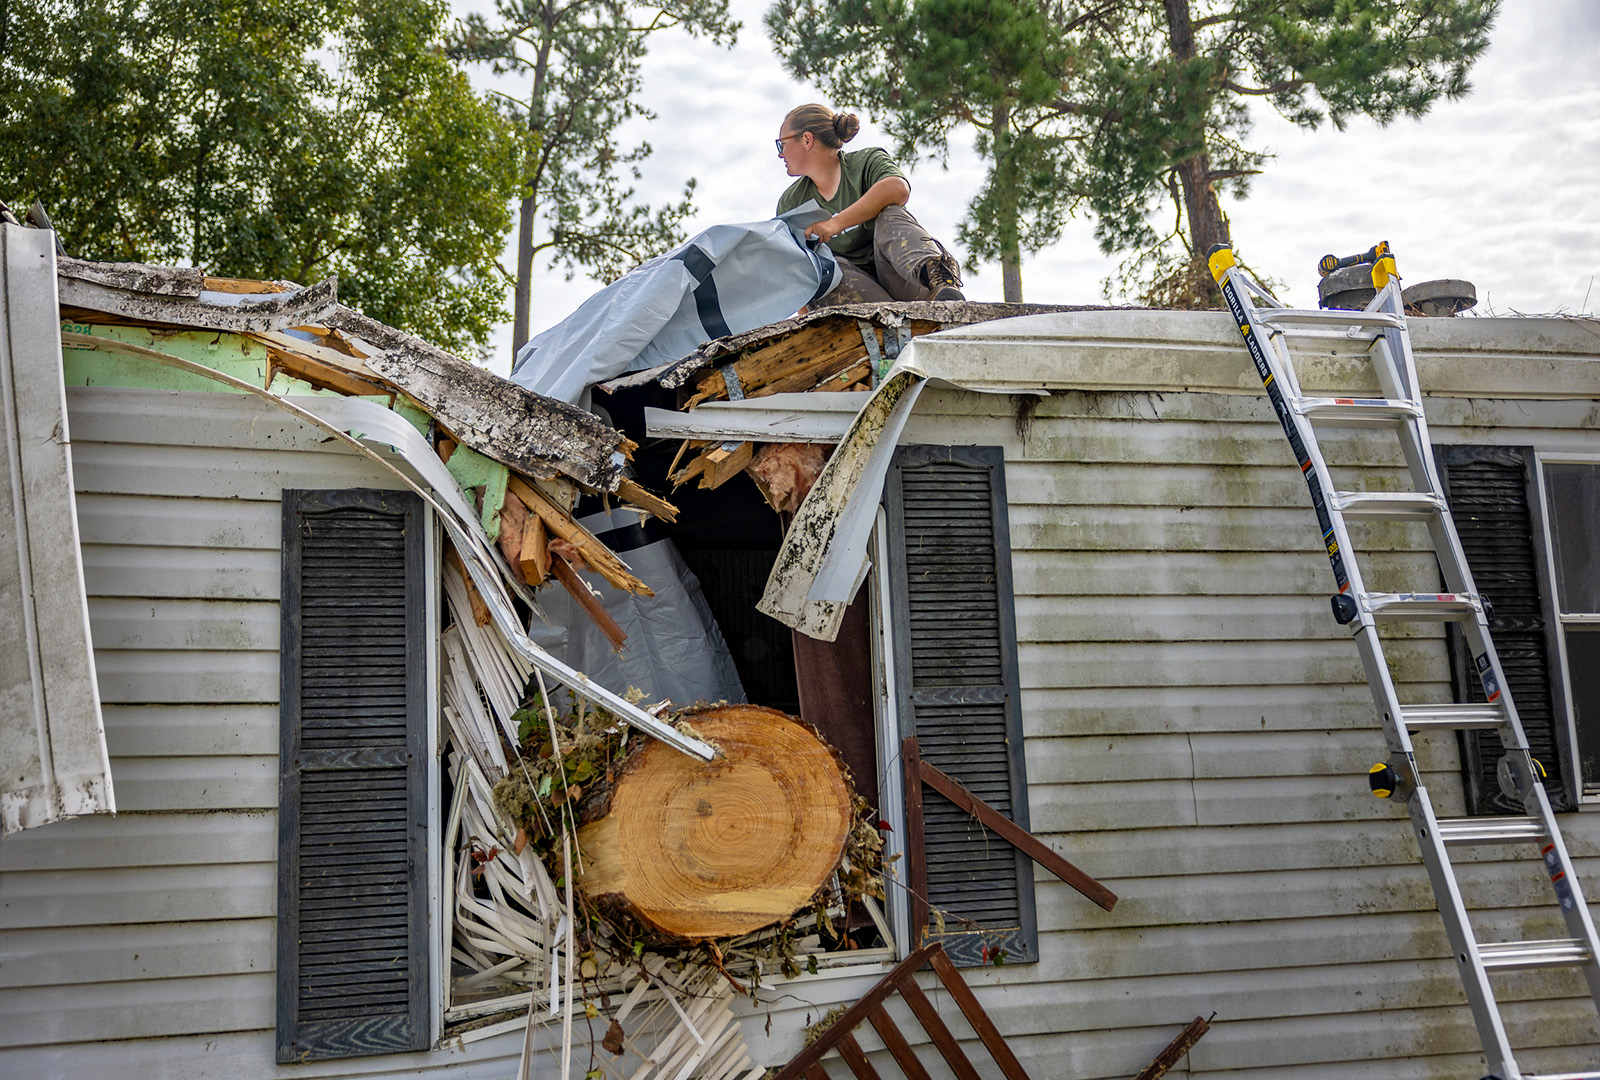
(786,138)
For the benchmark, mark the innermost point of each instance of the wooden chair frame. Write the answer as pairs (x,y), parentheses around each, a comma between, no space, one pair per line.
(840,1035)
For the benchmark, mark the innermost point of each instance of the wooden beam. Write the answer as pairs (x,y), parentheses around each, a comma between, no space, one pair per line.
(943,1038)
(568,577)
(1016,835)
(722,465)
(1175,1049)
(534,559)
(322,375)
(856,1058)
(596,554)
(245,286)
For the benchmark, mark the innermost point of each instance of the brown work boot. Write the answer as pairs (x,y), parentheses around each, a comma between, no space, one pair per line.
(941,280)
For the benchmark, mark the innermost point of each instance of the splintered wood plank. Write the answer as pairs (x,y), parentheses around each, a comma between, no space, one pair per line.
(797,362)
(597,555)
(563,572)
(534,558)
(896,1042)
(321,366)
(722,465)
(245,286)
(322,376)
(1175,1050)
(935,315)
(968,1002)
(513,522)
(856,1058)
(635,493)
(943,1038)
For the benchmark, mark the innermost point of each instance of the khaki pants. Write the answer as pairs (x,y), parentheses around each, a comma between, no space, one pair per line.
(900,248)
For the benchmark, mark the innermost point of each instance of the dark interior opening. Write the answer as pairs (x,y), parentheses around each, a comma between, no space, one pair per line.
(730,538)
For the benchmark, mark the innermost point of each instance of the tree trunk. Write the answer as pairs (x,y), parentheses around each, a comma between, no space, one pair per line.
(1207,226)
(524,288)
(1005,179)
(522,303)
(694,851)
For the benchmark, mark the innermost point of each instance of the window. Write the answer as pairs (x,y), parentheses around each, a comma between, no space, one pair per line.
(1530,544)
(355,765)
(956,688)
(1572,508)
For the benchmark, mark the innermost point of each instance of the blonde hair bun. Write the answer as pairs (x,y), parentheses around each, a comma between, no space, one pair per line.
(845,125)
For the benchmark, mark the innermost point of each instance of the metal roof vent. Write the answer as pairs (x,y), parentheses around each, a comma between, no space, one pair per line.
(1350,289)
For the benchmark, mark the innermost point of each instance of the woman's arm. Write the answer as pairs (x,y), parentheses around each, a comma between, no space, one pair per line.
(890,191)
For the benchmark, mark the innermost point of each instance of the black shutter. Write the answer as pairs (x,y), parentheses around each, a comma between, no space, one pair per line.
(353,973)
(1497,514)
(956,683)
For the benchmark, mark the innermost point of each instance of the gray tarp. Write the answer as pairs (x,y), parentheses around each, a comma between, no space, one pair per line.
(674,648)
(728,279)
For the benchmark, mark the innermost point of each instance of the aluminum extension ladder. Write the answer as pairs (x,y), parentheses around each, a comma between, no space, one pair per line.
(1268,333)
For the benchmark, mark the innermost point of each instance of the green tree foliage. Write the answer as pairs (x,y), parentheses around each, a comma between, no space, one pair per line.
(1165,104)
(266,138)
(579,66)
(1150,98)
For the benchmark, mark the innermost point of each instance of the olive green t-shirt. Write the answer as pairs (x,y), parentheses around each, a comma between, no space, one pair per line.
(860,170)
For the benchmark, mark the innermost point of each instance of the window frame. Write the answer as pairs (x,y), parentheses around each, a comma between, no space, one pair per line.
(1587,796)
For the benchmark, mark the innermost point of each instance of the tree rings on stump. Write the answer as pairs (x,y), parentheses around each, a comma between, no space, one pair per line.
(697,850)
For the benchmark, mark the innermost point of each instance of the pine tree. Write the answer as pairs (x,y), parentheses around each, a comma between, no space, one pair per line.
(1148,98)
(581,60)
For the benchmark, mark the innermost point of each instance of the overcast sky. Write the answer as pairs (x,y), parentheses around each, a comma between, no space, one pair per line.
(1501,188)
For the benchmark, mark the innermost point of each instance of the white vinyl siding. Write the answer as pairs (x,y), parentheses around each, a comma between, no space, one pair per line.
(1198,732)
(159,925)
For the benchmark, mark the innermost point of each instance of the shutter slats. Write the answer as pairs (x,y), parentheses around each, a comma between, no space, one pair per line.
(352,950)
(956,673)
(1489,493)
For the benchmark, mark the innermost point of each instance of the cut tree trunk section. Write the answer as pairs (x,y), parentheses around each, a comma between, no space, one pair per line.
(695,851)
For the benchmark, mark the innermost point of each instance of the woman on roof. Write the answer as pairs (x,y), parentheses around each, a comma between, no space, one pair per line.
(883,253)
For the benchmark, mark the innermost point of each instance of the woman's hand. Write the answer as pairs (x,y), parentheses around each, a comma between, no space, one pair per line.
(825,230)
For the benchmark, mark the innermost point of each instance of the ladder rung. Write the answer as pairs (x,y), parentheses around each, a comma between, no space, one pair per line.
(1517,955)
(1388,505)
(1521,829)
(1428,607)
(1350,411)
(1456,717)
(1288,317)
